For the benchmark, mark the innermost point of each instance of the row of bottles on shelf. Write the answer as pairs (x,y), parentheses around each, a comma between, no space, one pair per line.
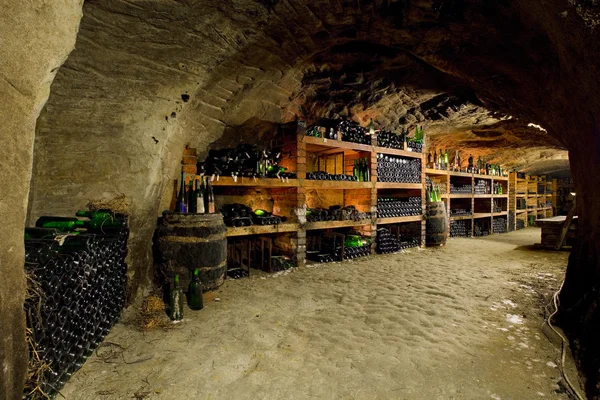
(245,160)
(460,229)
(434,192)
(390,207)
(337,247)
(482,186)
(398,169)
(195,198)
(350,131)
(177,297)
(361,172)
(441,161)
(336,213)
(240,215)
(460,212)
(96,220)
(499,225)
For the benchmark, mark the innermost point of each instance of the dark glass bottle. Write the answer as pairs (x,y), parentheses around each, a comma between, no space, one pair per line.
(200,197)
(194,296)
(63,224)
(192,197)
(176,301)
(181,197)
(209,198)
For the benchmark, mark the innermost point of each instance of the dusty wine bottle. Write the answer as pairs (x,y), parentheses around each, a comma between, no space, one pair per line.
(209,198)
(192,197)
(176,301)
(194,297)
(200,197)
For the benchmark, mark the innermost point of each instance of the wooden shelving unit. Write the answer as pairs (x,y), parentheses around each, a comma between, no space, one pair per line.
(475,202)
(292,197)
(533,190)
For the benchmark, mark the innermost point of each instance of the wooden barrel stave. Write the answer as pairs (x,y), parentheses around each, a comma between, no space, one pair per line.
(436,224)
(189,241)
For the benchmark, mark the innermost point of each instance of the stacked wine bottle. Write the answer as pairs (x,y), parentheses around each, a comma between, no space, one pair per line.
(460,229)
(81,281)
(353,132)
(482,186)
(398,169)
(245,160)
(336,213)
(415,146)
(520,224)
(461,189)
(460,212)
(240,215)
(324,176)
(499,225)
(386,242)
(389,207)
(391,140)
(481,229)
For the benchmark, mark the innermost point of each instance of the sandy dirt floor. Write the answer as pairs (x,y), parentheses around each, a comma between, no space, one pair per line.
(458,322)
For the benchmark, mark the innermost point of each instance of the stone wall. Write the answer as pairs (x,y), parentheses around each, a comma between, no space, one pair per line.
(36,40)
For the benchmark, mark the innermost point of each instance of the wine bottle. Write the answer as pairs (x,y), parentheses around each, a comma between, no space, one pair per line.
(176,301)
(435,160)
(181,198)
(355,169)
(200,197)
(194,296)
(446,163)
(192,197)
(63,224)
(210,198)
(470,163)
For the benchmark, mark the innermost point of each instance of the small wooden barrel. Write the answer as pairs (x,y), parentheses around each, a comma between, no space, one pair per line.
(437,224)
(185,242)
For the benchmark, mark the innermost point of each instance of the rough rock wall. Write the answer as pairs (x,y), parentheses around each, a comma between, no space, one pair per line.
(29,59)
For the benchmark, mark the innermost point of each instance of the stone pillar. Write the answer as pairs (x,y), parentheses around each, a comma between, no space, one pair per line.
(36,39)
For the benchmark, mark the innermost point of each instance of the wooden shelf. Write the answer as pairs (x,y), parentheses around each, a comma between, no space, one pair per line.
(500,214)
(463,174)
(482,215)
(520,211)
(431,171)
(310,226)
(396,185)
(482,196)
(396,152)
(500,196)
(480,176)
(500,178)
(250,182)
(330,146)
(314,184)
(261,229)
(460,195)
(399,220)
(460,217)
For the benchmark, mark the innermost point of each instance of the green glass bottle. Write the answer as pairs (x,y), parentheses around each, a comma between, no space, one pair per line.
(367,173)
(355,169)
(194,296)
(176,301)
(63,224)
(103,213)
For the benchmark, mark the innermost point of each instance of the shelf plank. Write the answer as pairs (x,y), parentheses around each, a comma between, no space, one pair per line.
(461,217)
(500,178)
(500,214)
(397,185)
(464,174)
(334,145)
(460,195)
(480,176)
(310,226)
(482,215)
(482,196)
(396,152)
(250,182)
(431,171)
(314,184)
(261,229)
(500,196)
(399,220)
(520,211)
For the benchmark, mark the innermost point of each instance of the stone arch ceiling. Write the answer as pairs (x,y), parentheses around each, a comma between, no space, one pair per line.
(116,121)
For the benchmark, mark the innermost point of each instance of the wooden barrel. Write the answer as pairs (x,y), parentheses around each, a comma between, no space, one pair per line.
(185,242)
(437,224)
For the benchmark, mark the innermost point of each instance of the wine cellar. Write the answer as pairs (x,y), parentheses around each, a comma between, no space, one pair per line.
(300,199)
